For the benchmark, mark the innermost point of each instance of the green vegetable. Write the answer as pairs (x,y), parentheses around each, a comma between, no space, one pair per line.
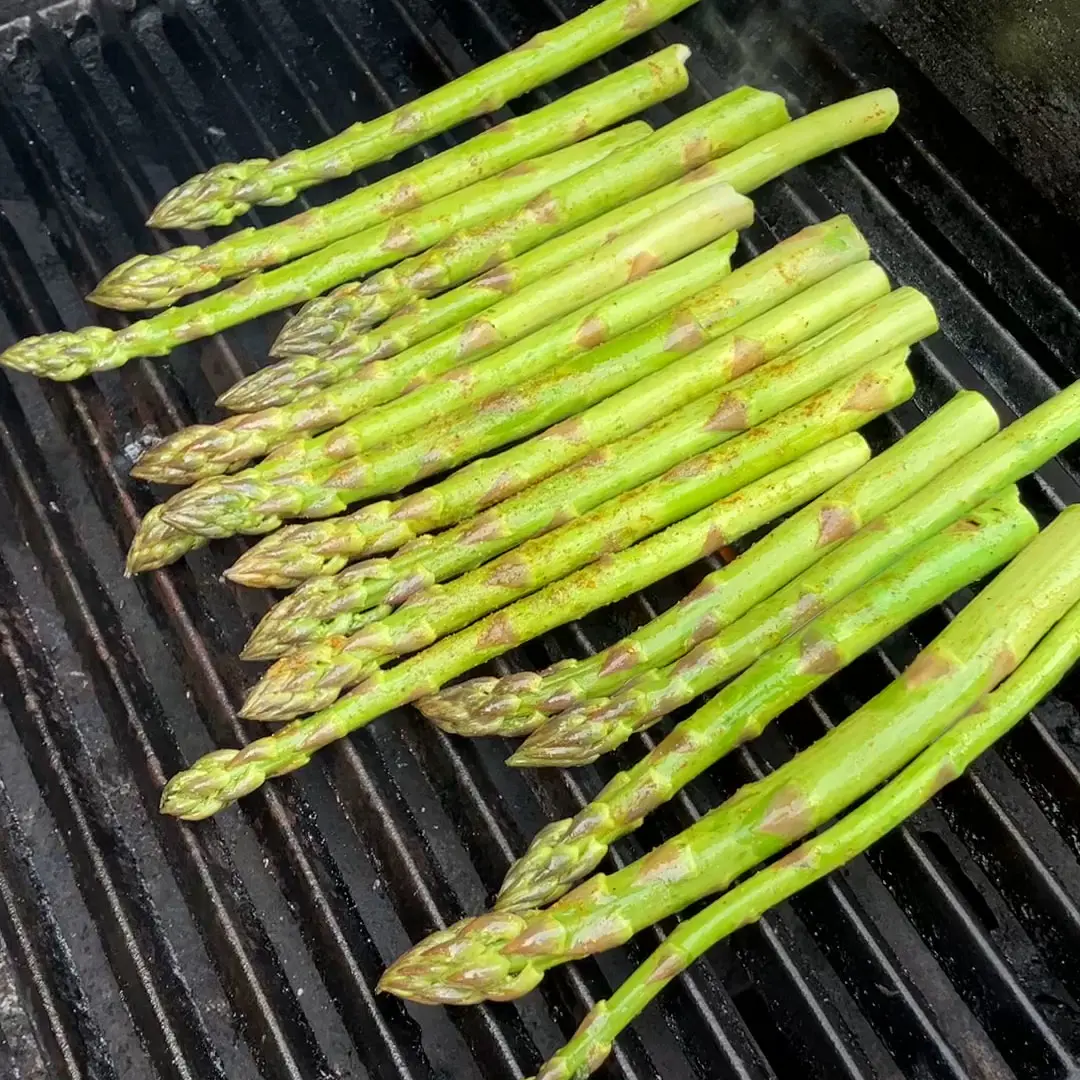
(219,778)
(569,850)
(67,355)
(312,677)
(155,281)
(441,374)
(747,587)
(504,955)
(226,191)
(943,761)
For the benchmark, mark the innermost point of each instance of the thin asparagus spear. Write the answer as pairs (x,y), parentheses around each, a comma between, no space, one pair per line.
(566,851)
(754,397)
(470,252)
(943,761)
(224,506)
(219,778)
(503,955)
(300,552)
(224,192)
(746,587)
(312,677)
(69,355)
(154,281)
(303,373)
(209,450)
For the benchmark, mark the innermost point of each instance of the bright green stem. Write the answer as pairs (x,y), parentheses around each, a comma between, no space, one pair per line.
(522,702)
(326,606)
(566,851)
(428,380)
(982,645)
(154,281)
(226,191)
(535,404)
(66,355)
(942,762)
(313,676)
(224,776)
(323,350)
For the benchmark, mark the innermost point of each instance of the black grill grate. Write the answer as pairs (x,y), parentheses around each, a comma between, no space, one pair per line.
(247,947)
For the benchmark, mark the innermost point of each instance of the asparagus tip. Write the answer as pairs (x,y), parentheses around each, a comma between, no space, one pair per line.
(154,281)
(66,355)
(210,198)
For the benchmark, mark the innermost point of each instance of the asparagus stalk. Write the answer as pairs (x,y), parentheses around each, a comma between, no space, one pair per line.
(65,355)
(943,761)
(504,955)
(341,355)
(312,677)
(204,450)
(522,702)
(301,552)
(221,507)
(226,191)
(328,607)
(468,253)
(219,778)
(566,851)
(154,281)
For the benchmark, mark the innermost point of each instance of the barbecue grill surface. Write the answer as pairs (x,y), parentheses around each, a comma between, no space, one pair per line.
(132,946)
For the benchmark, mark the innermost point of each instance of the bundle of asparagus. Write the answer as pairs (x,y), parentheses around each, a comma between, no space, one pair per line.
(230,189)
(505,954)
(223,776)
(942,762)
(312,677)
(327,607)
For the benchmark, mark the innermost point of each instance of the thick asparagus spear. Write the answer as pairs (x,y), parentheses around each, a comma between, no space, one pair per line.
(304,373)
(522,702)
(223,506)
(572,492)
(504,955)
(943,761)
(313,676)
(301,552)
(67,355)
(225,775)
(154,281)
(337,321)
(212,449)
(471,251)
(217,196)
(566,851)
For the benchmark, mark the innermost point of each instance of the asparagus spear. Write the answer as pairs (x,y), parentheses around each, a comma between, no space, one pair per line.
(219,778)
(337,321)
(224,506)
(312,677)
(943,761)
(209,450)
(623,465)
(522,702)
(67,355)
(154,281)
(226,191)
(566,851)
(468,253)
(504,955)
(303,374)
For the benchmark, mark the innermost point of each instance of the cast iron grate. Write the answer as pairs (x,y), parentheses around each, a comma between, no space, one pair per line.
(247,947)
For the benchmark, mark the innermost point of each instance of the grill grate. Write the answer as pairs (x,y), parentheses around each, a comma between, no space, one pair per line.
(247,947)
